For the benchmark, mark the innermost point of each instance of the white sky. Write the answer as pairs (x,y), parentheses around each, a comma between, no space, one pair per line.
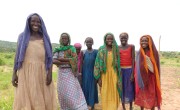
(94,18)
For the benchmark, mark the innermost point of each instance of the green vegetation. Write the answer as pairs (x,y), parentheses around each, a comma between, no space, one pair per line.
(6,46)
(6,88)
(170,59)
(7,52)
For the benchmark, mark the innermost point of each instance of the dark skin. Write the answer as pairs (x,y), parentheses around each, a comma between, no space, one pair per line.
(62,61)
(89,43)
(124,45)
(35,25)
(109,41)
(144,44)
(78,50)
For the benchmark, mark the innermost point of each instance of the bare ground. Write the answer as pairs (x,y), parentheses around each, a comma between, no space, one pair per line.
(170,84)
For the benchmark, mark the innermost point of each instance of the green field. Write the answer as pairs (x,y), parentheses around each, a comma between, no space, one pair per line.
(7,90)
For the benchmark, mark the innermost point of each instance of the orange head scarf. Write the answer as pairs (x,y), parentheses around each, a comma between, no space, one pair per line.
(154,56)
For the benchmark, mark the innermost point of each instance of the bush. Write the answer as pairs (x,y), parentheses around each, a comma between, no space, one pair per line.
(162,62)
(2,62)
(8,56)
(177,61)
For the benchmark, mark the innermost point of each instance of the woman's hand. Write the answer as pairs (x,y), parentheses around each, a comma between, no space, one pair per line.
(132,77)
(100,82)
(49,78)
(15,80)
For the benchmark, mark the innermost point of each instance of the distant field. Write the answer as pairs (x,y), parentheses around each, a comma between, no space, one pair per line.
(7,90)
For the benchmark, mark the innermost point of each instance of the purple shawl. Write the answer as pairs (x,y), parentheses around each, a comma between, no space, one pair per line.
(23,41)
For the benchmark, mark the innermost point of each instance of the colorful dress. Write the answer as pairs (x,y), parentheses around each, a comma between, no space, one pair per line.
(107,67)
(79,74)
(32,92)
(147,77)
(126,68)
(109,93)
(89,85)
(70,94)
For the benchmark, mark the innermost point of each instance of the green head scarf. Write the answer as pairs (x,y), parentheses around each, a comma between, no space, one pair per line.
(69,52)
(100,62)
(62,47)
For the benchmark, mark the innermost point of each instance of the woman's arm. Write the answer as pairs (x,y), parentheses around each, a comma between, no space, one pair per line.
(49,76)
(81,61)
(133,61)
(63,59)
(57,62)
(14,76)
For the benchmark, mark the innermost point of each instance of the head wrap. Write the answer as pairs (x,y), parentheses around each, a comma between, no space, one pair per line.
(23,41)
(72,56)
(78,45)
(142,67)
(101,59)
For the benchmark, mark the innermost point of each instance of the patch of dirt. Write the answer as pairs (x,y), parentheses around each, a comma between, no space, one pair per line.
(170,85)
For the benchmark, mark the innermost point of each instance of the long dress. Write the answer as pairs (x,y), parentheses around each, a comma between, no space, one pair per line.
(147,97)
(70,94)
(110,96)
(126,68)
(89,85)
(32,92)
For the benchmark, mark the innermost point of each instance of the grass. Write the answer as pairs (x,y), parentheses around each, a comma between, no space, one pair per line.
(7,90)
(6,59)
(172,62)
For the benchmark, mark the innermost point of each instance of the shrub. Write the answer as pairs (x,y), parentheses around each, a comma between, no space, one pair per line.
(1,62)
(8,56)
(162,62)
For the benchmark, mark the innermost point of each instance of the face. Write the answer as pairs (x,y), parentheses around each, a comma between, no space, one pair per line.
(89,42)
(144,42)
(35,23)
(109,40)
(123,39)
(65,39)
(78,50)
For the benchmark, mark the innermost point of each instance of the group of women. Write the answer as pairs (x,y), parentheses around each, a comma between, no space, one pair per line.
(121,77)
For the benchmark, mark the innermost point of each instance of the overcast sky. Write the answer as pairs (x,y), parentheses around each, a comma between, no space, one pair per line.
(94,18)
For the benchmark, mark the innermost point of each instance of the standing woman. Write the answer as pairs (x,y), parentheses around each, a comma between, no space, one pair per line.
(89,85)
(32,75)
(70,94)
(79,58)
(127,57)
(107,72)
(147,77)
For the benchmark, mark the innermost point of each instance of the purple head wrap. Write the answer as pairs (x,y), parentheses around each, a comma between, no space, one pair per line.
(23,41)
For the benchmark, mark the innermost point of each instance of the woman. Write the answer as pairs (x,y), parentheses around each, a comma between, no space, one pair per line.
(79,55)
(127,56)
(32,75)
(147,77)
(70,94)
(89,85)
(107,72)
